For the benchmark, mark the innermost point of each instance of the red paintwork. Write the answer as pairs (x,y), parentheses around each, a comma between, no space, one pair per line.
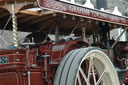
(20,62)
(58,50)
(121,53)
(126,77)
(42,72)
(9,78)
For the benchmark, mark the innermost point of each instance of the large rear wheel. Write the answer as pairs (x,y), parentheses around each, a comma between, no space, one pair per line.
(86,66)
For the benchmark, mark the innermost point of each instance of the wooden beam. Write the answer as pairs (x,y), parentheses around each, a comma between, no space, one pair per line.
(42,18)
(47,23)
(27,28)
(2,2)
(4,14)
(21,16)
(27,19)
(31,13)
(18,6)
(52,19)
(36,13)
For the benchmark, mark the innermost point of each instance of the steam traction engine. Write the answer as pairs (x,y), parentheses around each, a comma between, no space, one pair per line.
(30,67)
(65,62)
(39,65)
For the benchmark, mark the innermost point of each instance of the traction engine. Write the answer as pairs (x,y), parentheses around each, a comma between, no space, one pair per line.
(37,64)
(68,62)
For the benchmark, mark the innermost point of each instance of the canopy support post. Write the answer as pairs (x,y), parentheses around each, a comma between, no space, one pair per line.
(15,28)
(57,34)
(83,33)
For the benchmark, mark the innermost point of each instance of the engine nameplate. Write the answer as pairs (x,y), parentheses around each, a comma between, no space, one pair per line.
(4,59)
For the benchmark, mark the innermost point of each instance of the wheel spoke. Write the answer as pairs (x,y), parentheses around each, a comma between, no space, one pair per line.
(101,77)
(79,80)
(90,66)
(94,75)
(86,66)
(84,76)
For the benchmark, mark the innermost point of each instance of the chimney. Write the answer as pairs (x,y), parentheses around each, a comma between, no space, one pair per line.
(101,4)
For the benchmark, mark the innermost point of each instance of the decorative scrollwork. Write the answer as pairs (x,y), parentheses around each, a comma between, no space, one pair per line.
(54,4)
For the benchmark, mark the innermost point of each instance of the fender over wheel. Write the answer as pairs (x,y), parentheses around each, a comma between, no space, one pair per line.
(86,66)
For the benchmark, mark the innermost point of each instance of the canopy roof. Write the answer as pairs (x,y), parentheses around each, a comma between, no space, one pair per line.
(56,14)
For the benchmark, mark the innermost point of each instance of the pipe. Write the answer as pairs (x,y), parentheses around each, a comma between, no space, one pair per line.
(57,34)
(29,78)
(5,25)
(83,33)
(119,37)
(75,27)
(4,40)
(14,25)
(49,32)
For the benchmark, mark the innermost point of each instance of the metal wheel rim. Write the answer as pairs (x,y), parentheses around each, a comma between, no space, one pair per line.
(102,64)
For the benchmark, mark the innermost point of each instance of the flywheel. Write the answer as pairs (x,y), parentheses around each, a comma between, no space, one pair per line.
(86,66)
